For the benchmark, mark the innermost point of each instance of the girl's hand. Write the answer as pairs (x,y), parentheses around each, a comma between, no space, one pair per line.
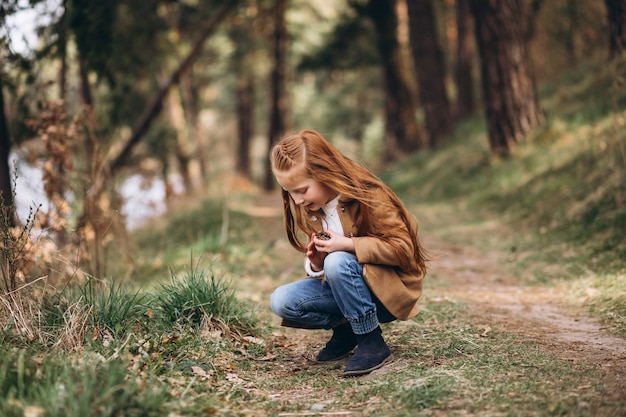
(315,257)
(335,243)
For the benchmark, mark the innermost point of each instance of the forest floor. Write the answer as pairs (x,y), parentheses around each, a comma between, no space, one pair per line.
(543,314)
(546,316)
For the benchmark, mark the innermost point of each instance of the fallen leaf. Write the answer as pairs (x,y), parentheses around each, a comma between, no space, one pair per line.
(234,378)
(485,328)
(267,358)
(255,340)
(197,371)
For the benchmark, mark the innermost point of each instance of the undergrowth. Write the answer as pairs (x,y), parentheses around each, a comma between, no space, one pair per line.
(102,349)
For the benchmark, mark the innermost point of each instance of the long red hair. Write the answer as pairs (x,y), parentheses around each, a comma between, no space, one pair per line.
(322,162)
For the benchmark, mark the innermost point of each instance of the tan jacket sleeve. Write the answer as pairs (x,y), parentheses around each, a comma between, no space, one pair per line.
(375,250)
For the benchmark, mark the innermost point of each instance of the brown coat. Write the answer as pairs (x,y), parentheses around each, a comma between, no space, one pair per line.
(384,273)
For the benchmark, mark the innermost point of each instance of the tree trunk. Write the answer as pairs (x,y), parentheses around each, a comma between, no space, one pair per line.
(616,12)
(245,122)
(7,205)
(185,121)
(183,147)
(509,92)
(87,148)
(429,68)
(463,69)
(85,88)
(277,125)
(88,145)
(175,113)
(85,93)
(191,111)
(62,48)
(534,9)
(401,128)
(572,23)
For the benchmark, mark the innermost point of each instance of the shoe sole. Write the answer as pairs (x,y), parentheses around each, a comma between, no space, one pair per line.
(360,372)
(338,358)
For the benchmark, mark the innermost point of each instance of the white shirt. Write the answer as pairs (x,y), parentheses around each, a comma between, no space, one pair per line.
(331,216)
(331,222)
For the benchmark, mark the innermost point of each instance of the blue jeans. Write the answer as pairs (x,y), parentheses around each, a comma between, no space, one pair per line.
(344,294)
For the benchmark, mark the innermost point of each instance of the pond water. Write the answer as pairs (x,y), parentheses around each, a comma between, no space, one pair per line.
(144,197)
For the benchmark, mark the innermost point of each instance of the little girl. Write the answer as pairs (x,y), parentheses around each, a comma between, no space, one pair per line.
(363,259)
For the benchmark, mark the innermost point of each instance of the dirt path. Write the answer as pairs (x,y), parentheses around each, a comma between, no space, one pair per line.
(535,312)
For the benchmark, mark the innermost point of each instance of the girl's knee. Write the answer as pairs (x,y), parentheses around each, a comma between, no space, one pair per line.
(337,263)
(278,301)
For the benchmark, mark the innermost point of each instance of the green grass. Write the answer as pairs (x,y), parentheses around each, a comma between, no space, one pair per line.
(199,295)
(116,308)
(104,350)
(85,386)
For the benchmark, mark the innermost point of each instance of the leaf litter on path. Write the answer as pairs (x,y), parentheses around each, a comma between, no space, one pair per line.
(536,312)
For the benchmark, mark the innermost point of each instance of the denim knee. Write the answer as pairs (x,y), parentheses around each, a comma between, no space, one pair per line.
(336,263)
(278,301)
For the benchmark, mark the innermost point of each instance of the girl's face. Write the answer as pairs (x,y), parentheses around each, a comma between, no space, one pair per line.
(305,191)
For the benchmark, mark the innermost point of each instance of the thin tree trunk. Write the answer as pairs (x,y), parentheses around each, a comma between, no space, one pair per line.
(85,93)
(534,9)
(616,13)
(176,115)
(88,149)
(7,205)
(88,154)
(401,129)
(429,68)
(88,145)
(62,47)
(463,70)
(191,112)
(245,122)
(509,92)
(572,18)
(187,124)
(85,88)
(277,125)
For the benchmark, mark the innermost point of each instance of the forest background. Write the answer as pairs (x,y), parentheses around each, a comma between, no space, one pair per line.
(192,94)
